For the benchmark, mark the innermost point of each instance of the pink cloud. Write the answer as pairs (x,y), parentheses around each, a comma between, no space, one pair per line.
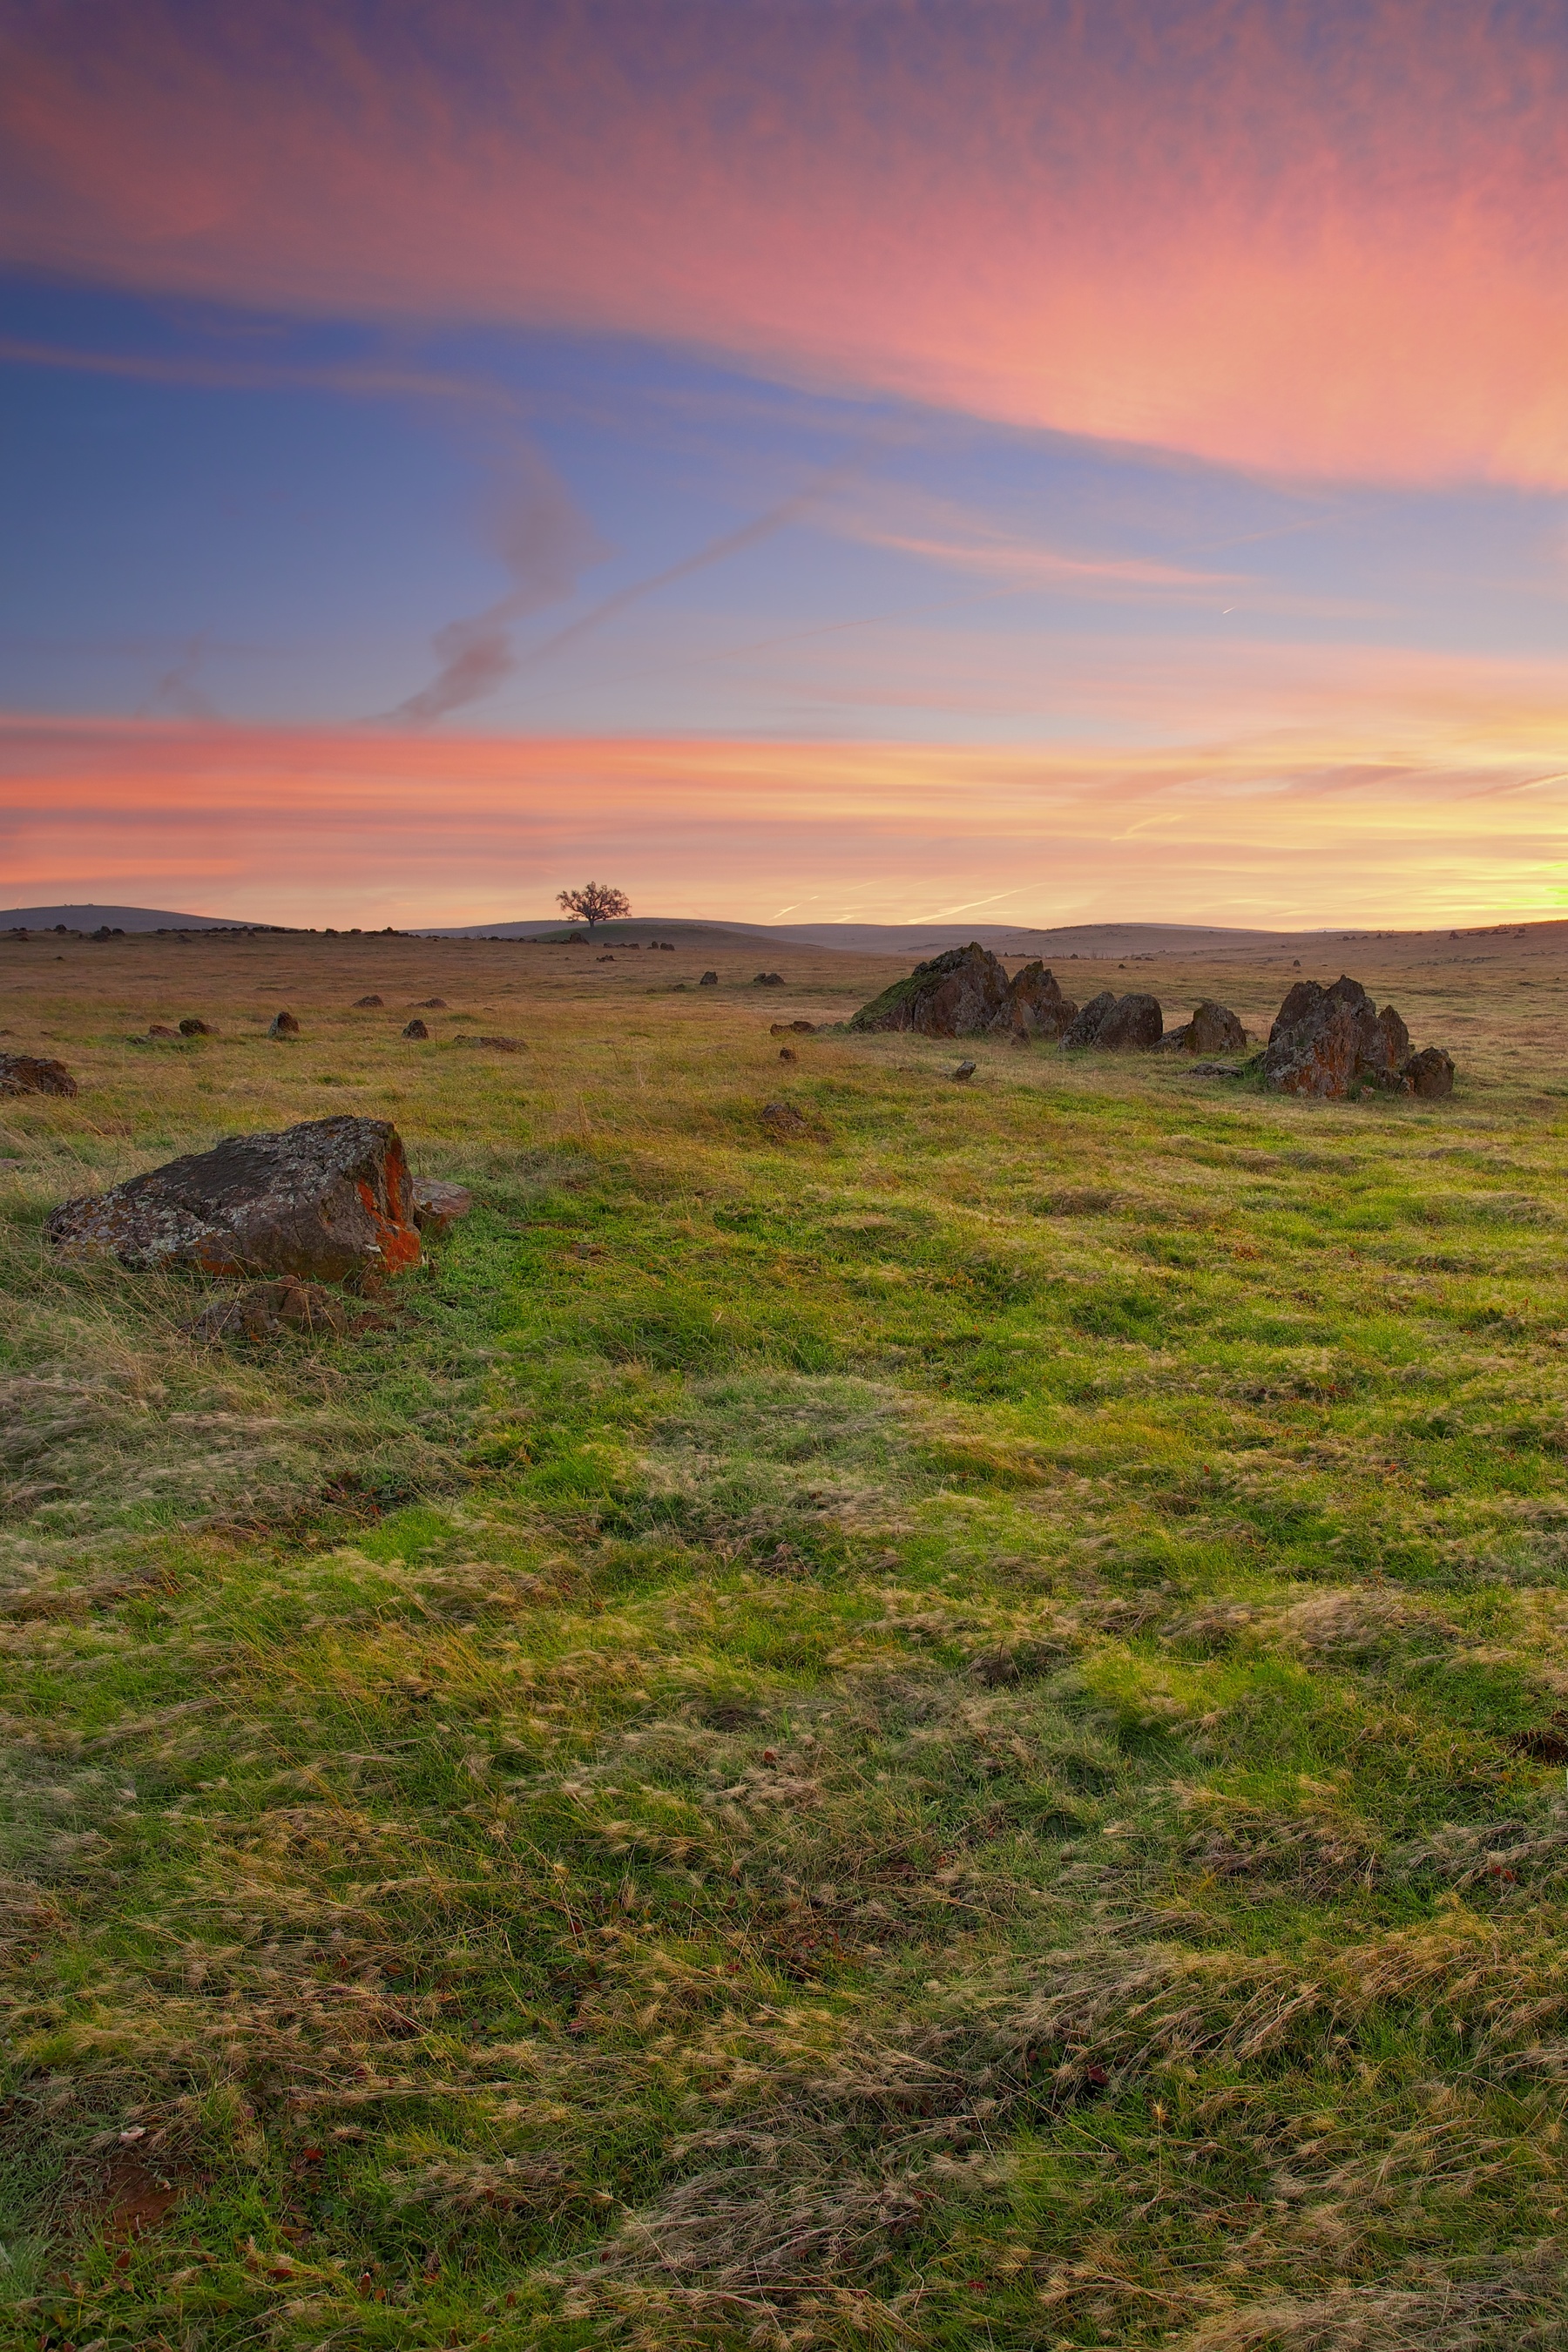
(1421,790)
(1305,237)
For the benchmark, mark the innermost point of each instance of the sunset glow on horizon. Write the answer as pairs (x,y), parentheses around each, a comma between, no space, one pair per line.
(865,458)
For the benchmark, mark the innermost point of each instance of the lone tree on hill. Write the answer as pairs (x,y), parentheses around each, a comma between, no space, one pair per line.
(596,902)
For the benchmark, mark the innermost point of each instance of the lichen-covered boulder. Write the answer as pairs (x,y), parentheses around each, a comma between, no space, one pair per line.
(30,1074)
(1084,1027)
(1332,1041)
(1213,1029)
(1117,1024)
(960,994)
(1035,1005)
(328,1200)
(1430,1073)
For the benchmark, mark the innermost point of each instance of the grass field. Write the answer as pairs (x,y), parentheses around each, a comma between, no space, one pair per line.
(947,1733)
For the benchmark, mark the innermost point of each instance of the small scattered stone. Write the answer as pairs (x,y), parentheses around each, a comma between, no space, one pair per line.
(792,1029)
(431,1005)
(788,1054)
(769,980)
(784,1122)
(191,1028)
(415,1029)
(709,980)
(604,959)
(437,1207)
(369,1004)
(492,1045)
(964,1071)
(161,1029)
(29,1073)
(265,1310)
(283,1024)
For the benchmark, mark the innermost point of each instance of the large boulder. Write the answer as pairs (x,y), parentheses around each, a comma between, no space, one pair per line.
(1116,1024)
(1035,1005)
(959,994)
(1213,1029)
(1333,1042)
(29,1073)
(327,1200)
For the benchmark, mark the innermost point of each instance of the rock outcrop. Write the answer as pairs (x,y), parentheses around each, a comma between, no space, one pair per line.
(1213,1029)
(1334,1042)
(1035,1005)
(960,994)
(27,1074)
(283,1024)
(191,1028)
(327,1200)
(1116,1024)
(415,1029)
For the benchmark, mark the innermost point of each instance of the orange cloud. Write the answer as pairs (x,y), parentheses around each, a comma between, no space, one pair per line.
(1307,237)
(1447,803)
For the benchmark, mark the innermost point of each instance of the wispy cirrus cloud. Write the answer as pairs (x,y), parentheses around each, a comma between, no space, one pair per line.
(1322,237)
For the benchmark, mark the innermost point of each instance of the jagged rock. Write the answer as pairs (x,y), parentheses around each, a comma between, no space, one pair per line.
(369,1004)
(1084,1027)
(1117,1024)
(1332,1041)
(709,980)
(438,1206)
(1213,1029)
(964,1071)
(1035,1005)
(283,1024)
(415,1029)
(1430,1073)
(192,1027)
(959,994)
(27,1074)
(330,1199)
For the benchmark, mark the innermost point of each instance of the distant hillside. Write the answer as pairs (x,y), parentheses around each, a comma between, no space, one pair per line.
(120,918)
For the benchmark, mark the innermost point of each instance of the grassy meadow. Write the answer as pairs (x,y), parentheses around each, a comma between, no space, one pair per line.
(948,1731)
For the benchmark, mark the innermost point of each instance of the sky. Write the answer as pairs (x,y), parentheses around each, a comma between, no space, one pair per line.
(867,460)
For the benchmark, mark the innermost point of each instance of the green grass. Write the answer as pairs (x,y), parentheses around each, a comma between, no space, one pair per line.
(950,1734)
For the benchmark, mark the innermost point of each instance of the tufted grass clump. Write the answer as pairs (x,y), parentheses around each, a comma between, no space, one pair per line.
(951,1730)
